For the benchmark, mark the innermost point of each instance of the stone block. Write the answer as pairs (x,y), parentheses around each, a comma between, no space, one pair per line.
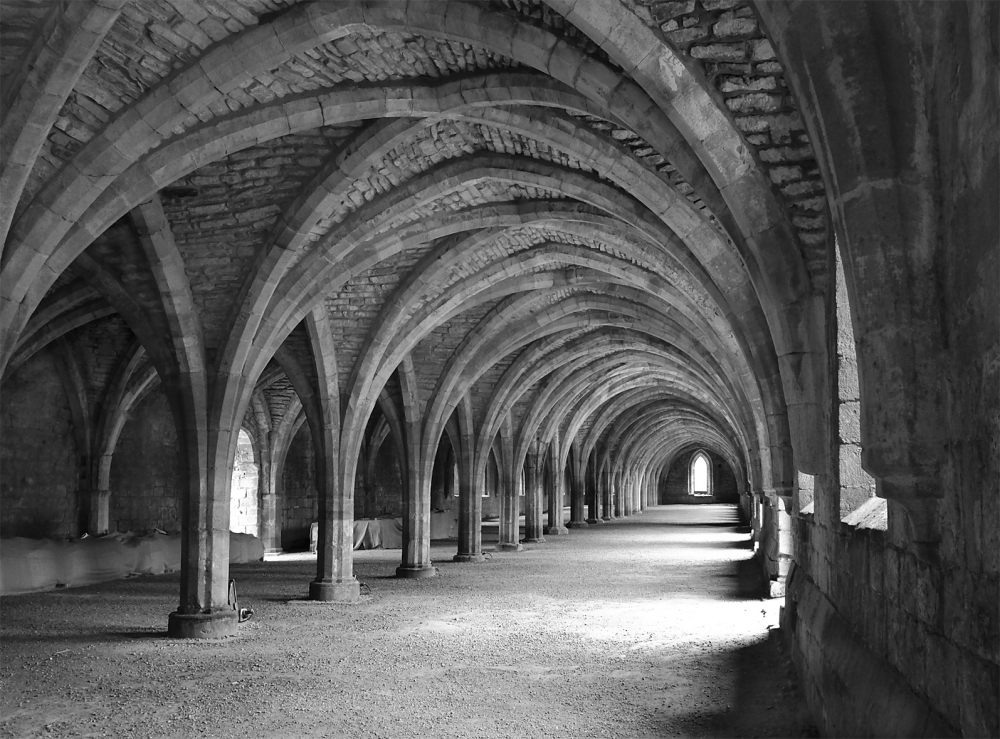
(979,686)
(665,11)
(805,187)
(785,174)
(752,124)
(729,83)
(757,102)
(784,154)
(719,52)
(761,50)
(928,593)
(890,575)
(684,36)
(735,28)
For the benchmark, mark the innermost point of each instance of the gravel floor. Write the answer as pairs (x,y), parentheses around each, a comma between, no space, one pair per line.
(647,627)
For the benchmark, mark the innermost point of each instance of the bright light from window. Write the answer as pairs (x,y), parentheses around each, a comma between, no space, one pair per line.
(701,483)
(700,475)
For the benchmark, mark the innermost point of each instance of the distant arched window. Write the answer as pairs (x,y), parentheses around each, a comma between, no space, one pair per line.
(701,474)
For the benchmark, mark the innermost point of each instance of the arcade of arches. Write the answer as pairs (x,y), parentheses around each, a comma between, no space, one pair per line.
(491,258)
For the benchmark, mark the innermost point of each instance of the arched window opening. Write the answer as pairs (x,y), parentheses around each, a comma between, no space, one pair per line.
(857,487)
(243,491)
(701,474)
(806,491)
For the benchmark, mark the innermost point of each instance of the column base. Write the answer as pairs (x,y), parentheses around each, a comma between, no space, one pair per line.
(345,591)
(203,625)
(416,573)
(555,530)
(505,547)
(534,540)
(469,558)
(594,521)
(576,525)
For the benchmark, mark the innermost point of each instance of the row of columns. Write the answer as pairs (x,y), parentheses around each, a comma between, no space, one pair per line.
(596,495)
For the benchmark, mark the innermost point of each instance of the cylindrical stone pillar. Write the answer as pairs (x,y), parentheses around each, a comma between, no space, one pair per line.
(532,497)
(99,518)
(554,479)
(783,519)
(268,516)
(470,511)
(204,610)
(577,499)
(510,519)
(605,478)
(593,493)
(335,579)
(416,560)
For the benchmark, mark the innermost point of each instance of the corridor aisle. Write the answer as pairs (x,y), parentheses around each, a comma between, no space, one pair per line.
(643,627)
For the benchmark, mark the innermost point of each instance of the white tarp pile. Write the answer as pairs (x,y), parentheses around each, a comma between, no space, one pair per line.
(28,565)
(387,533)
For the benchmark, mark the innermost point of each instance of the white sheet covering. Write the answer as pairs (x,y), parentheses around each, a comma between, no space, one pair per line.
(29,565)
(387,533)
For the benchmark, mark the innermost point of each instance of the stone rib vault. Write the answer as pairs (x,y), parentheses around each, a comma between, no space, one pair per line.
(494,258)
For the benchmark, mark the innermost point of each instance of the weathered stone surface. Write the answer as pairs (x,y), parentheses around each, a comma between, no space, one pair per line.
(625,262)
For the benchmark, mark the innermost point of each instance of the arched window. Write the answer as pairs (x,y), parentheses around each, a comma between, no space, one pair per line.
(701,474)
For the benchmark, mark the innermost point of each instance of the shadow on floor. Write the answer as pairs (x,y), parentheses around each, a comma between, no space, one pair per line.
(767,700)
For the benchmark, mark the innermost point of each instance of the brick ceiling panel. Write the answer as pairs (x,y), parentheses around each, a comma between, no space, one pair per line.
(432,354)
(353,308)
(223,213)
(21,24)
(725,41)
(279,394)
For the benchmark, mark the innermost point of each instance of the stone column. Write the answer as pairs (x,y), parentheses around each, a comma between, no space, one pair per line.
(269,534)
(532,496)
(204,610)
(554,482)
(98,515)
(577,497)
(335,579)
(593,493)
(606,507)
(510,528)
(785,550)
(470,508)
(416,561)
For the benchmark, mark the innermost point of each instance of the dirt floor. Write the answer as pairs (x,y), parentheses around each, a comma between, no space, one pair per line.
(646,627)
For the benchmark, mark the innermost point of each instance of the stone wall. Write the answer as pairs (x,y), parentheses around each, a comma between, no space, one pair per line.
(674,488)
(385,497)
(147,474)
(893,637)
(37,453)
(297,495)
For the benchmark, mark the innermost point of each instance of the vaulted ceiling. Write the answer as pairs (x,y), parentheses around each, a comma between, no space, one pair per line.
(605,218)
